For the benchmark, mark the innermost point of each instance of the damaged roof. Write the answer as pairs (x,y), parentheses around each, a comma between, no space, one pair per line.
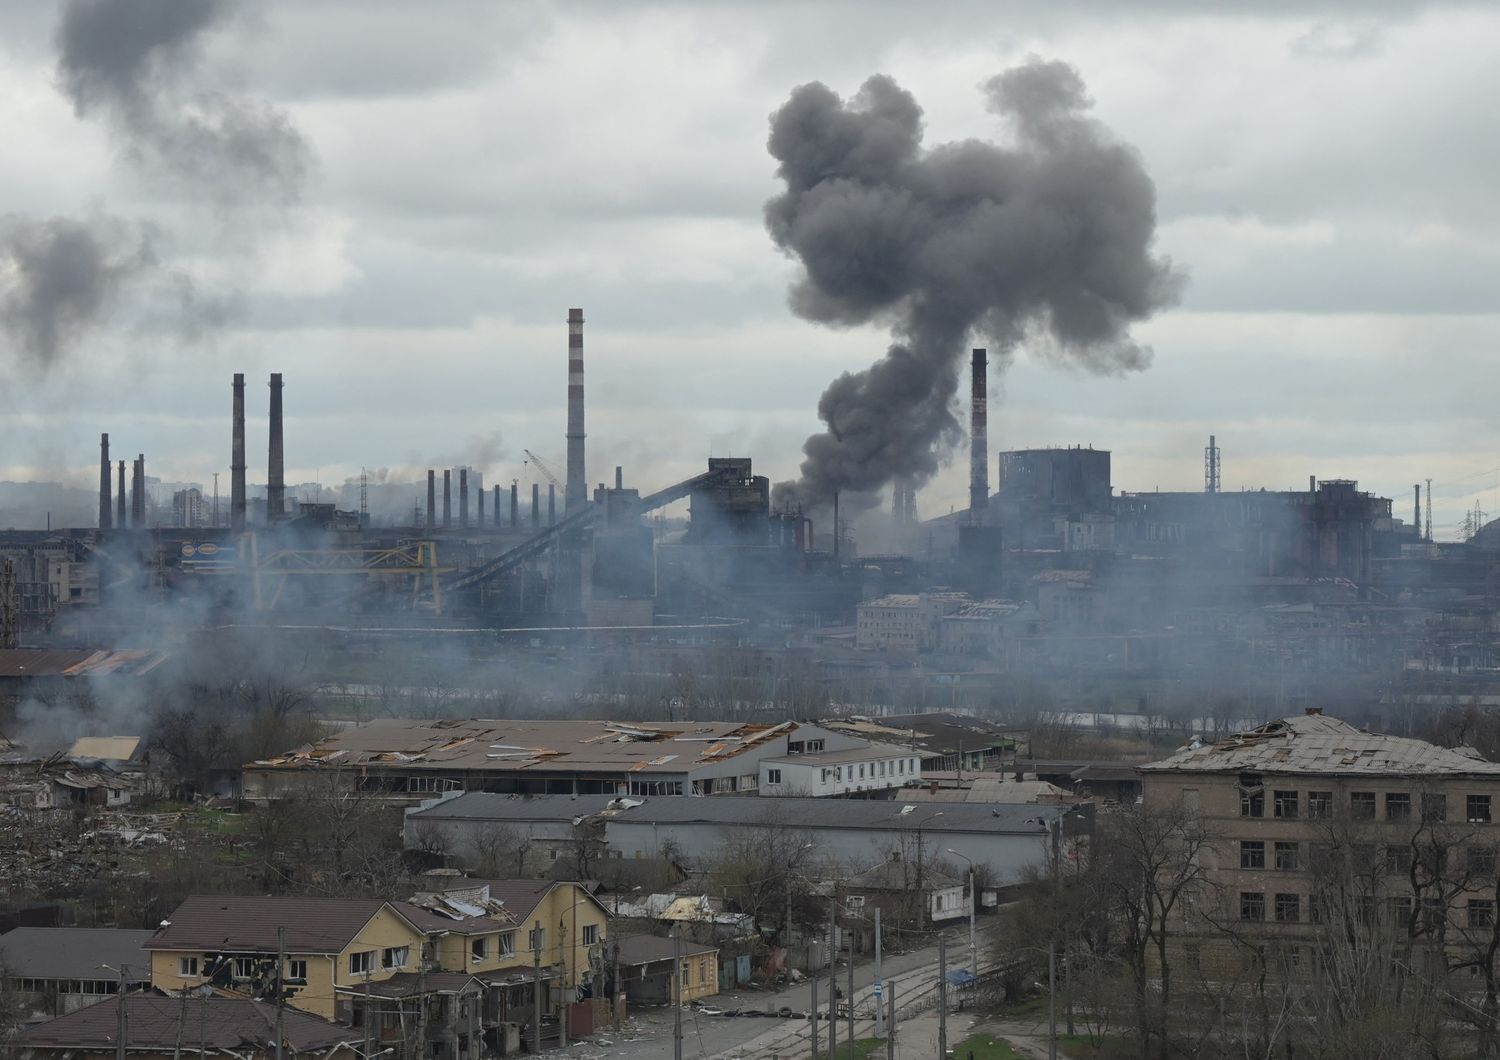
(35,662)
(518,745)
(1314,743)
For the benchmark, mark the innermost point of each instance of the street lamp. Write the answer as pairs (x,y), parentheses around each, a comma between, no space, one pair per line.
(973,901)
(123,972)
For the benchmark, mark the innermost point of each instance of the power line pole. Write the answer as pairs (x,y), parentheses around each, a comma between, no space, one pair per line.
(851,993)
(677,990)
(536,985)
(280,989)
(879,983)
(833,978)
(890,1037)
(812,1015)
(942,996)
(122,1030)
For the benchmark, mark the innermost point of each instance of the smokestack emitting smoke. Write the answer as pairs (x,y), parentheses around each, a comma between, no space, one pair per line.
(237,456)
(447,497)
(106,511)
(1047,241)
(275,467)
(120,498)
(463,497)
(577,485)
(979,460)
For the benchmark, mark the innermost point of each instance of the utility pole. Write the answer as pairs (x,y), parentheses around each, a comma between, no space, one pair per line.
(369,1016)
(851,993)
(879,983)
(812,1015)
(1053,828)
(677,990)
(614,1001)
(890,1036)
(280,989)
(833,977)
(942,995)
(123,1029)
(536,986)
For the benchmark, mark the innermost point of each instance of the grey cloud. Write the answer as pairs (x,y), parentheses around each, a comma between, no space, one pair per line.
(135,64)
(1052,235)
(61,277)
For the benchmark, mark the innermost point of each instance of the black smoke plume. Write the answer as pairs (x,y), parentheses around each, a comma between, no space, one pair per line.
(137,65)
(61,276)
(1045,242)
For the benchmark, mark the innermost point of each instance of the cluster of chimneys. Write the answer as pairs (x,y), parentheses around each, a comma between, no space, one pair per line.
(275,471)
(113,514)
(575,492)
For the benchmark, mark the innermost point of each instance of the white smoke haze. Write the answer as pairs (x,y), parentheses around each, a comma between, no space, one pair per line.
(1050,236)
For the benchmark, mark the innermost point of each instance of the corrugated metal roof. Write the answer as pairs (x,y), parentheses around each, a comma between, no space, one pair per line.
(220,1022)
(74,953)
(1313,743)
(518,745)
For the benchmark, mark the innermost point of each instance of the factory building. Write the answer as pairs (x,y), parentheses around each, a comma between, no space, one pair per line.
(407,761)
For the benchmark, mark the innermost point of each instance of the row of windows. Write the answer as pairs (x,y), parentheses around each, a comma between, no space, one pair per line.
(1287,857)
(246,968)
(1479,913)
(65,986)
(1287,804)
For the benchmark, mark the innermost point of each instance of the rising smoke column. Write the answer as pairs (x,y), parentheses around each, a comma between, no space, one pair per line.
(137,66)
(1046,242)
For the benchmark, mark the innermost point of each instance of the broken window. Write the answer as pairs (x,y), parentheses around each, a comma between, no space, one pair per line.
(1481,861)
(296,971)
(1252,796)
(1286,804)
(479,947)
(244,967)
(1397,806)
(394,956)
(507,943)
(1481,912)
(1434,808)
(1320,804)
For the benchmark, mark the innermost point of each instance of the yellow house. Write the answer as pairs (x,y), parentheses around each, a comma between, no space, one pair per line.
(333,947)
(653,968)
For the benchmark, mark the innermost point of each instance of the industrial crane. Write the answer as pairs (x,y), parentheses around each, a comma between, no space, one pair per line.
(543,468)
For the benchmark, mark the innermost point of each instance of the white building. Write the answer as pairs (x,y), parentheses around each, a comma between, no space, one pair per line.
(875,767)
(903,622)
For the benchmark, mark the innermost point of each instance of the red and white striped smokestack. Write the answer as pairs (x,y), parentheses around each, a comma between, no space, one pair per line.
(276,467)
(576,494)
(106,510)
(979,459)
(237,455)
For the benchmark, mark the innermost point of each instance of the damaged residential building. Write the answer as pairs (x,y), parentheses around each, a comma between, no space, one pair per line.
(1314,825)
(407,760)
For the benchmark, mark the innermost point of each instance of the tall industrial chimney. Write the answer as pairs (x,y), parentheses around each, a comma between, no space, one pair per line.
(431,498)
(979,441)
(1416,511)
(106,511)
(447,497)
(463,497)
(536,505)
(237,456)
(577,487)
(551,504)
(515,506)
(496,497)
(120,520)
(479,496)
(138,492)
(275,471)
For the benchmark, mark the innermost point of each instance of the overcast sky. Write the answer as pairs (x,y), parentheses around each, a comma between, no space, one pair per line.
(1326,177)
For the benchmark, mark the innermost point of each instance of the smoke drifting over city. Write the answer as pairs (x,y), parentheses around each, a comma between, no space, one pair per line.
(1047,242)
(137,68)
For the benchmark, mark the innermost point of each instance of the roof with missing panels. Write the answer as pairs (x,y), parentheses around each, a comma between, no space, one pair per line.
(1316,744)
(517,746)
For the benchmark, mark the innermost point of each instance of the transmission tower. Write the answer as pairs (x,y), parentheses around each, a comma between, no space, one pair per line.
(1211,466)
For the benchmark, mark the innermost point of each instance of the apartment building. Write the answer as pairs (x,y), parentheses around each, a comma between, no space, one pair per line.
(903,623)
(1310,821)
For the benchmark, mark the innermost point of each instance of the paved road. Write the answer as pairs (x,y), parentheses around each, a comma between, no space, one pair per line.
(648,1034)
